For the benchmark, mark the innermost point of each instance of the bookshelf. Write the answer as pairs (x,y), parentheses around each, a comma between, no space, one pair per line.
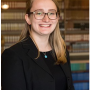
(74,27)
(80,74)
(77,28)
(12,22)
(76,36)
(62,17)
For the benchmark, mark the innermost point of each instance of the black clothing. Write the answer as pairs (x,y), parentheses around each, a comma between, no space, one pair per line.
(56,70)
(21,70)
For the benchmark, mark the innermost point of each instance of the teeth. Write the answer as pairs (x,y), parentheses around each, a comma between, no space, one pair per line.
(44,25)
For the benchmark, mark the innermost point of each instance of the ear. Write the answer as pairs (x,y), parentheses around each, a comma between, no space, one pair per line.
(27,19)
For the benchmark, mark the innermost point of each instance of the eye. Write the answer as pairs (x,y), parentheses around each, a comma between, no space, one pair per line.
(51,13)
(39,13)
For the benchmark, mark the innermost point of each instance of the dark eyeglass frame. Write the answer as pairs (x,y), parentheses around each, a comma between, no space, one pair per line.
(44,15)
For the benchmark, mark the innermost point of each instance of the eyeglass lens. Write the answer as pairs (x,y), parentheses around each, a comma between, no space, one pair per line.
(40,14)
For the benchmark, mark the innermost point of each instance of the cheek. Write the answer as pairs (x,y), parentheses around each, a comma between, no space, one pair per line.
(55,23)
(34,23)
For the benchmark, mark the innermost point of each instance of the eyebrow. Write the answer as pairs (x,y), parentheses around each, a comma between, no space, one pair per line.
(52,9)
(48,10)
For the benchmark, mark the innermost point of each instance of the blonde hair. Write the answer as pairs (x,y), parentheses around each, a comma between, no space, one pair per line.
(56,41)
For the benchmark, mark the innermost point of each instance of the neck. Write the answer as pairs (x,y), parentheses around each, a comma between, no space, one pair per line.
(42,42)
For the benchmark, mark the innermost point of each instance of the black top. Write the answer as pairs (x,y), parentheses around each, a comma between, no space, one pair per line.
(22,70)
(56,70)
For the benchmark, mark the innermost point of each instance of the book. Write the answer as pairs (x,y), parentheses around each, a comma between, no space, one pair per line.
(79,66)
(81,86)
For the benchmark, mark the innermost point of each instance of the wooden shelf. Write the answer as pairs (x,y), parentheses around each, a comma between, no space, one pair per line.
(13,32)
(77,31)
(10,43)
(77,8)
(14,10)
(79,61)
(79,56)
(65,8)
(13,21)
(81,71)
(14,0)
(80,81)
(78,19)
(81,41)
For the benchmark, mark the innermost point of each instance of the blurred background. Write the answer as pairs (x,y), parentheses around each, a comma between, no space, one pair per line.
(74,27)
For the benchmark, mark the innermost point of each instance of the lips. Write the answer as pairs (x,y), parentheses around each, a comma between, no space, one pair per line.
(44,25)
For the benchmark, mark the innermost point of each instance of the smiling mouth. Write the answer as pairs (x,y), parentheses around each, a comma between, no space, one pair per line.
(44,25)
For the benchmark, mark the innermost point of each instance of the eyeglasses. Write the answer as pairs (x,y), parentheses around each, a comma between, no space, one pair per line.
(39,14)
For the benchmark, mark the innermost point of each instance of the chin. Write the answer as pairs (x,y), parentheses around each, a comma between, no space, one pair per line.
(46,33)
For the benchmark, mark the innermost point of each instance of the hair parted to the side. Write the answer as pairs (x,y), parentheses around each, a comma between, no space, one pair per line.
(56,41)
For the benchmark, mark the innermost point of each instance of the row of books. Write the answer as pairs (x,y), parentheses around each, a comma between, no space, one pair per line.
(11,39)
(77,26)
(81,86)
(12,15)
(78,47)
(7,45)
(81,76)
(20,15)
(62,25)
(67,38)
(79,66)
(68,3)
(15,4)
(78,50)
(12,26)
(72,38)
(77,3)
(75,14)
(18,26)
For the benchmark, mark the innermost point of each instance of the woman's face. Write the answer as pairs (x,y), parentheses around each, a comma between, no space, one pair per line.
(44,26)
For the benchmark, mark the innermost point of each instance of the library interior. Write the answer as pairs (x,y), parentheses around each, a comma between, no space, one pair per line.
(74,27)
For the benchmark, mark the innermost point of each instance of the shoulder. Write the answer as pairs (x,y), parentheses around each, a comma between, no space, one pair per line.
(15,49)
(17,53)
(10,59)
(19,50)
(14,56)
(11,50)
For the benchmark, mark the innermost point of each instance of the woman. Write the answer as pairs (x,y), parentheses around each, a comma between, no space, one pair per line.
(39,61)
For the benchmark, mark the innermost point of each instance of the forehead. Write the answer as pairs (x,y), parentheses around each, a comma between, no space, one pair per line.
(43,4)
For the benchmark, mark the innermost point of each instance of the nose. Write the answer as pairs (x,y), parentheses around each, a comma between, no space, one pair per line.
(46,18)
